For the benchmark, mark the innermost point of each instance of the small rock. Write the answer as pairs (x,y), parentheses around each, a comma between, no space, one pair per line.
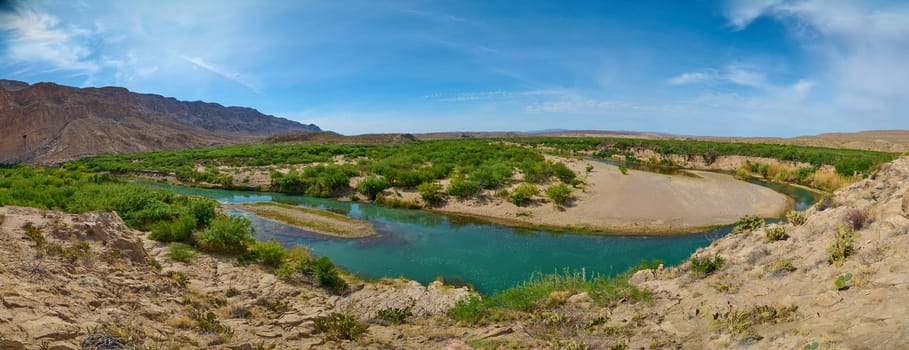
(267,334)
(496,331)
(90,282)
(6,344)
(579,298)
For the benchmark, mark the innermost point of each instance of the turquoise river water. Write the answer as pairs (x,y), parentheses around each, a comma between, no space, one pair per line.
(422,246)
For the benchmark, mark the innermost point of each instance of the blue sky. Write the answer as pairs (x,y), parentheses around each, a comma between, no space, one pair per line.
(747,68)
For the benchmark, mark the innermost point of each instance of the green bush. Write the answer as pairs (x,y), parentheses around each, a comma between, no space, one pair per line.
(371,186)
(776,233)
(431,192)
(463,188)
(623,169)
(394,315)
(558,194)
(748,223)
(706,266)
(524,193)
(338,326)
(842,282)
(181,252)
(269,253)
(492,175)
(796,218)
(226,234)
(328,275)
(178,230)
(842,247)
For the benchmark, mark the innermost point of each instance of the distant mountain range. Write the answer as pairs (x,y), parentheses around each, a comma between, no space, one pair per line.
(50,123)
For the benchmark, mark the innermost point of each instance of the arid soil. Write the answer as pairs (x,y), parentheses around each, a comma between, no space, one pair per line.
(92,275)
(639,202)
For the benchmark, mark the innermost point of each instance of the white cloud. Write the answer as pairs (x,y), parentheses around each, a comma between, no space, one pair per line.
(732,73)
(862,44)
(249,82)
(38,37)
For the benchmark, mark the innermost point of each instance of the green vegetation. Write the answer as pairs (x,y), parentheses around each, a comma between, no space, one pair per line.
(623,169)
(782,266)
(327,274)
(748,223)
(338,326)
(226,234)
(181,252)
(463,188)
(796,218)
(740,322)
(78,192)
(846,161)
(533,294)
(394,315)
(706,266)
(178,230)
(371,186)
(776,233)
(841,248)
(317,181)
(431,192)
(269,253)
(842,282)
(524,193)
(559,194)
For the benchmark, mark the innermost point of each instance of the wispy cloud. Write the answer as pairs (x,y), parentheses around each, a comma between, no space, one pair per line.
(38,37)
(250,82)
(492,95)
(863,44)
(732,73)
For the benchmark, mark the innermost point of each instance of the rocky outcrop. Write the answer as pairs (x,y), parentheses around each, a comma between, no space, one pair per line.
(72,281)
(48,123)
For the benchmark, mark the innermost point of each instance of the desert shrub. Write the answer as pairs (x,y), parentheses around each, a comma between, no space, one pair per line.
(623,169)
(563,173)
(558,194)
(208,322)
(431,192)
(328,276)
(776,233)
(269,253)
(524,193)
(201,209)
(463,188)
(842,281)
(748,223)
(178,230)
(337,326)
(706,266)
(782,266)
(855,219)
(241,312)
(226,234)
(371,186)
(395,202)
(178,277)
(394,315)
(491,175)
(740,323)
(842,247)
(796,218)
(113,336)
(34,233)
(180,252)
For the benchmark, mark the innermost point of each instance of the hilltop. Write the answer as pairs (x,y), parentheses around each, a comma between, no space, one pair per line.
(49,123)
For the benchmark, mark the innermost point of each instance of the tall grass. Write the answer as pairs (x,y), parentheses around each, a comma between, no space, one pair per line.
(533,293)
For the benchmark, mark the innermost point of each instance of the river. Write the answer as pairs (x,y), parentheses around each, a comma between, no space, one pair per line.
(423,246)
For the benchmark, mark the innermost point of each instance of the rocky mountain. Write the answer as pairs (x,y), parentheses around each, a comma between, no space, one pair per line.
(50,123)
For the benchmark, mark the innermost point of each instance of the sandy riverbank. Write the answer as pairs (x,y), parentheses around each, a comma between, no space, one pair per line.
(315,220)
(639,202)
